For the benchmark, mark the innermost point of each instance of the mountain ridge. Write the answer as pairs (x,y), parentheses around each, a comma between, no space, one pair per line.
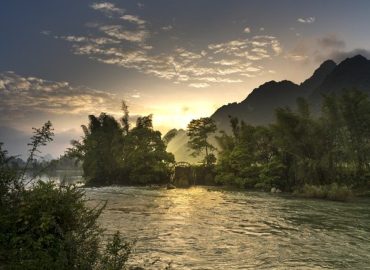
(259,106)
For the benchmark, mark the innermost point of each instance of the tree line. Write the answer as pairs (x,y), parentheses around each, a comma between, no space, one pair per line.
(298,149)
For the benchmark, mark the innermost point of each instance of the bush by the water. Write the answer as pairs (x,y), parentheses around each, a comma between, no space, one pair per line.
(332,192)
(45,226)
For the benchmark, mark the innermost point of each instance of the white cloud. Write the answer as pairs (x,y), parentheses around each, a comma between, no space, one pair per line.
(118,32)
(199,85)
(225,62)
(27,95)
(133,19)
(219,80)
(247,30)
(45,32)
(253,69)
(107,7)
(296,57)
(167,28)
(246,48)
(307,20)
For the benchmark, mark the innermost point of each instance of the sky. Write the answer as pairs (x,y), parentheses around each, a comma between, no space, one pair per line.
(175,59)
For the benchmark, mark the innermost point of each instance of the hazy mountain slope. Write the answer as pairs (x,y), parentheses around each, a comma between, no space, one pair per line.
(178,147)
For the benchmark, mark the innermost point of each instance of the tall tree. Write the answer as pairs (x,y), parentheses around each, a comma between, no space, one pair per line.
(199,131)
(100,149)
(112,153)
(145,153)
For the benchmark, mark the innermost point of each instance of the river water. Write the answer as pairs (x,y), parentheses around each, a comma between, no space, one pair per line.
(210,228)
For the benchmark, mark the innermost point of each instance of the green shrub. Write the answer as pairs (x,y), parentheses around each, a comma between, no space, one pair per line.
(332,192)
(224,178)
(116,254)
(50,227)
(339,193)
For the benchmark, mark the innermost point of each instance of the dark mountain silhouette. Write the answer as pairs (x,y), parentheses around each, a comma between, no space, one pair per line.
(351,73)
(259,106)
(318,76)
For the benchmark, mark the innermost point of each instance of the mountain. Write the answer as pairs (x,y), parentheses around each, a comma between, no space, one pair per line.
(178,146)
(318,76)
(351,73)
(259,106)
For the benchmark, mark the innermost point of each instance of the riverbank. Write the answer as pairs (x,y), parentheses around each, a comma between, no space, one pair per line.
(332,192)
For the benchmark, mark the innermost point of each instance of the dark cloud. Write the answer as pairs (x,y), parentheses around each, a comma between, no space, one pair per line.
(331,41)
(341,55)
(299,53)
(338,56)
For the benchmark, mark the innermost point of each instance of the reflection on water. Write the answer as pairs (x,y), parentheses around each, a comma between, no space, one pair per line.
(207,228)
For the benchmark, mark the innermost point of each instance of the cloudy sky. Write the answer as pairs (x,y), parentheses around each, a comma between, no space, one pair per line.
(178,59)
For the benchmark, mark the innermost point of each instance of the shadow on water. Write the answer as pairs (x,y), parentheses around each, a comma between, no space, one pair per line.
(209,228)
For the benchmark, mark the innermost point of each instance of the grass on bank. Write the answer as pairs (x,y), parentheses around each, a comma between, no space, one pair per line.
(332,192)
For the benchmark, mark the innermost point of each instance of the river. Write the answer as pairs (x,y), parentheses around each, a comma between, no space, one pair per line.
(210,228)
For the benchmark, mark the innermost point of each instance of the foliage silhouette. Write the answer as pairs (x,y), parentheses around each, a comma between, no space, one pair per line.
(112,153)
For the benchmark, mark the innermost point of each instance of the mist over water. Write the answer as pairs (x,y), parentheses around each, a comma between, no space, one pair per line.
(209,228)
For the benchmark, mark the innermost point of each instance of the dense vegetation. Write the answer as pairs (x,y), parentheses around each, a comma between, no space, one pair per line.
(44,226)
(113,153)
(299,151)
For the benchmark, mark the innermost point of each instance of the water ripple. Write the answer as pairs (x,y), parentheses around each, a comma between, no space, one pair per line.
(209,228)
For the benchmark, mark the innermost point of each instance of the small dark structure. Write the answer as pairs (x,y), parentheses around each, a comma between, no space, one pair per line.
(186,175)
(183,175)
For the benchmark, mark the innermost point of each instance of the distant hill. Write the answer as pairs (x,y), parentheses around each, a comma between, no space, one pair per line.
(351,73)
(178,146)
(259,106)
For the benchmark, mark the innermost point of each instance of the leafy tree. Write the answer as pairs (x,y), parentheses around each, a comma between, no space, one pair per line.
(112,153)
(199,131)
(355,109)
(248,157)
(145,154)
(100,149)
